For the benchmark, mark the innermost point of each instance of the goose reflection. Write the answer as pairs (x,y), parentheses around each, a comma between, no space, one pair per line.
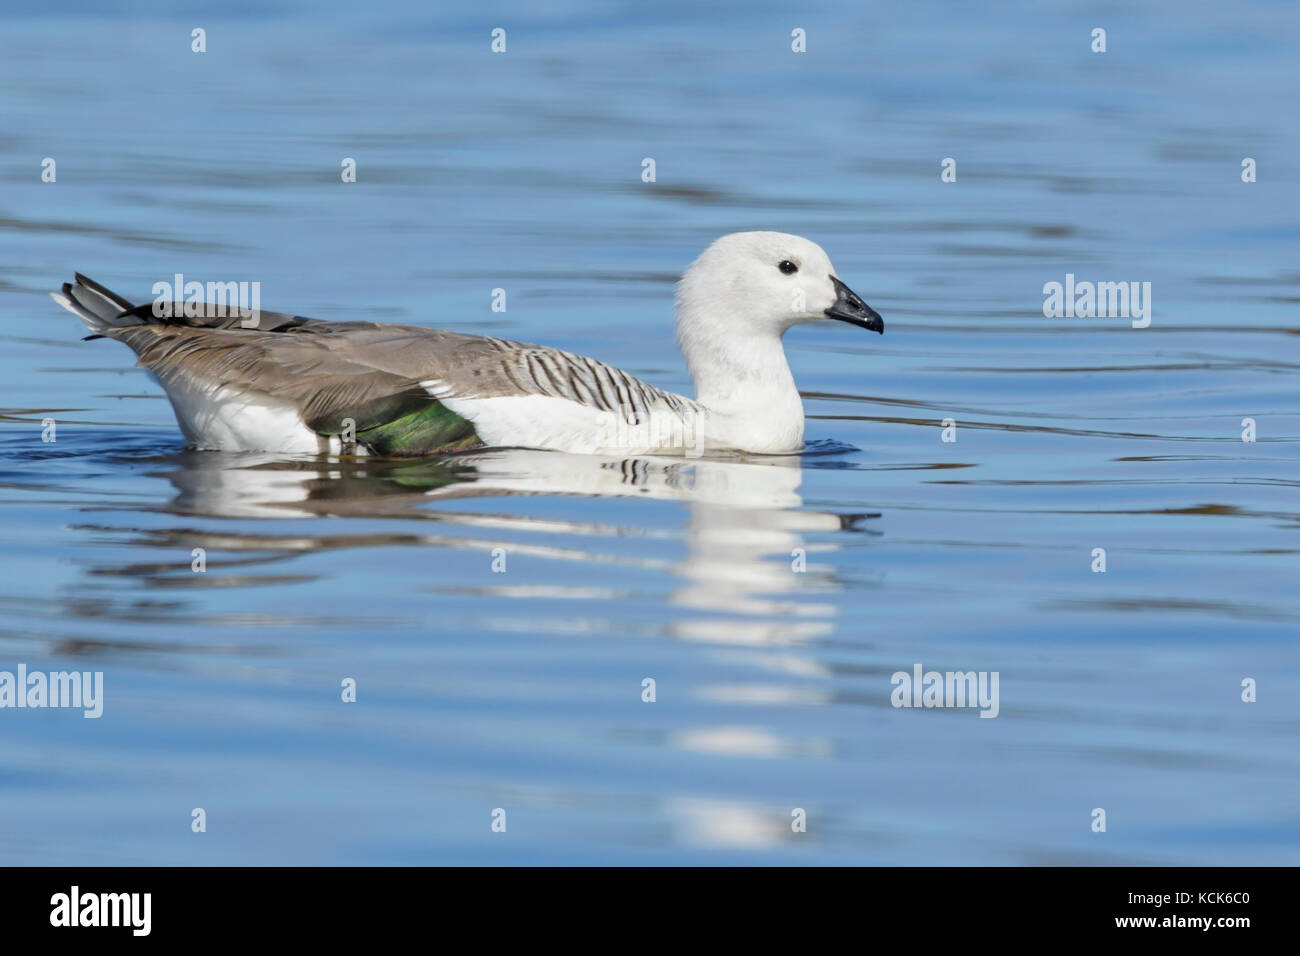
(746,554)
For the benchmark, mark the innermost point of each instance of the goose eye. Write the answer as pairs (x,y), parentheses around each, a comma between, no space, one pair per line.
(788,267)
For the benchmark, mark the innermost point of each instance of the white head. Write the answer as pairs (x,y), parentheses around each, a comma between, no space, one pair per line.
(734,304)
(761,284)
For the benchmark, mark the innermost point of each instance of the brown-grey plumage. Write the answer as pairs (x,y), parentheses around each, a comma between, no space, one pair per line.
(372,373)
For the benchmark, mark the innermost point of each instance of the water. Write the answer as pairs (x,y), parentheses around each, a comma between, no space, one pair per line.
(522,690)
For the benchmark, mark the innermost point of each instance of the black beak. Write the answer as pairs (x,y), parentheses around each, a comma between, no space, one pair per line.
(849,308)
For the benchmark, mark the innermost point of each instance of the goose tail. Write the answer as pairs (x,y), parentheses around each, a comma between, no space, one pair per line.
(100,308)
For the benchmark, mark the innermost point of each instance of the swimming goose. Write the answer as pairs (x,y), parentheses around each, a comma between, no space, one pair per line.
(295,385)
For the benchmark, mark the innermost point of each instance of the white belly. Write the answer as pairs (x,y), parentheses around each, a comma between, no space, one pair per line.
(557,424)
(223,419)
